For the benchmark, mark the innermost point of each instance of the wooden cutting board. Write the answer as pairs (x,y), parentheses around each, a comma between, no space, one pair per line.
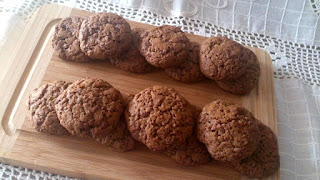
(34,62)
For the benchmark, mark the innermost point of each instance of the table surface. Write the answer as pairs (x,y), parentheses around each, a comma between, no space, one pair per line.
(293,45)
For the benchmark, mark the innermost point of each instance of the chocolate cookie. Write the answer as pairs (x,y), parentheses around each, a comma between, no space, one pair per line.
(265,160)
(104,35)
(41,110)
(189,70)
(164,46)
(222,59)
(132,61)
(89,108)
(65,40)
(120,138)
(190,153)
(247,81)
(229,131)
(160,118)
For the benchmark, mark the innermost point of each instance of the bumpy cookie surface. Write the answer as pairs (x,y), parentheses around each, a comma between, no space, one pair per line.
(265,160)
(247,81)
(119,138)
(164,46)
(104,35)
(189,70)
(229,131)
(222,58)
(190,153)
(65,40)
(160,118)
(41,110)
(89,107)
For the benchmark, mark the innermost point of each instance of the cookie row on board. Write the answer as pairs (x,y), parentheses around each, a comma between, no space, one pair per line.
(163,120)
(65,108)
(91,108)
(160,118)
(109,37)
(233,135)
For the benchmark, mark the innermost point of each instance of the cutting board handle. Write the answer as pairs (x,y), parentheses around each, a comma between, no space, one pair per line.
(20,64)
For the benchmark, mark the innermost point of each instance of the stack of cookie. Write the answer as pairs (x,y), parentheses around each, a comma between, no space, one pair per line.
(167,47)
(234,68)
(164,121)
(100,37)
(161,119)
(106,36)
(91,108)
(88,108)
(232,134)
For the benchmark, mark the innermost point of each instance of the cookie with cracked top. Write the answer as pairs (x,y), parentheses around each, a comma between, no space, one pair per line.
(189,70)
(222,59)
(41,110)
(160,118)
(245,83)
(119,138)
(104,35)
(65,40)
(192,152)
(164,46)
(265,160)
(89,108)
(229,131)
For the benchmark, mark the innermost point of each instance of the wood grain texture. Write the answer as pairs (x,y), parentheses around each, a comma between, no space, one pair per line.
(34,63)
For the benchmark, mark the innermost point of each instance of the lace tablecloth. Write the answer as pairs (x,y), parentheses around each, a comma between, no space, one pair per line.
(288,29)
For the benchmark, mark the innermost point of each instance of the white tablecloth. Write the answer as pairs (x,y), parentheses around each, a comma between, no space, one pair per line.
(288,29)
